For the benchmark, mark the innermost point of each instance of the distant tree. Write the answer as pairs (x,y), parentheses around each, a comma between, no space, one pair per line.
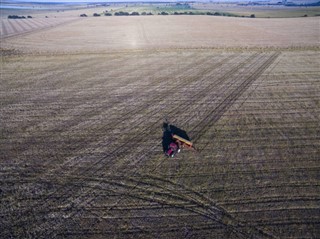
(149,13)
(121,13)
(217,14)
(96,15)
(209,13)
(108,14)
(17,17)
(29,16)
(164,13)
(252,16)
(143,13)
(83,15)
(134,14)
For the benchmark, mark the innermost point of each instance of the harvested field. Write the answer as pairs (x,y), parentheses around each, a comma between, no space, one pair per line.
(159,32)
(14,27)
(81,131)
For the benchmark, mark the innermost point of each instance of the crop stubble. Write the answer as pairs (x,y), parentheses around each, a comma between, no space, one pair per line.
(81,143)
(81,133)
(157,32)
(15,27)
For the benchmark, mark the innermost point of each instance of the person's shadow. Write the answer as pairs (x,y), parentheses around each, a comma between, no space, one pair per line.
(168,131)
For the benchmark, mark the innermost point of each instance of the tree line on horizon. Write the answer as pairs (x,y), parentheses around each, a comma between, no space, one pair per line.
(122,13)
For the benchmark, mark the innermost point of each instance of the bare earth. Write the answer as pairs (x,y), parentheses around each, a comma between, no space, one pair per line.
(82,105)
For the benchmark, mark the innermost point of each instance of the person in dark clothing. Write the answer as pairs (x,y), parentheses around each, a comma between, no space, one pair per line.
(170,146)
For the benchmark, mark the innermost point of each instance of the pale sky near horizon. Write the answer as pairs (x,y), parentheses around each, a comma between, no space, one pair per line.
(90,1)
(106,1)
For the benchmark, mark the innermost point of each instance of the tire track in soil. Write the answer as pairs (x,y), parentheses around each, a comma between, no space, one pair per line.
(202,93)
(60,75)
(72,123)
(127,145)
(225,107)
(218,112)
(133,112)
(236,94)
(200,204)
(71,190)
(259,72)
(40,97)
(54,130)
(70,194)
(129,112)
(174,110)
(239,66)
(164,192)
(227,80)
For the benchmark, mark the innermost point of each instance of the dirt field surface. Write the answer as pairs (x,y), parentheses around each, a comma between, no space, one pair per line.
(14,27)
(158,32)
(81,132)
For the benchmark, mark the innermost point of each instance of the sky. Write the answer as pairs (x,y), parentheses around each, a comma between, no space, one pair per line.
(91,1)
(87,1)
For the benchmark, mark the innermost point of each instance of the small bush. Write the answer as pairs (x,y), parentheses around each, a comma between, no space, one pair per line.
(96,15)
(83,15)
